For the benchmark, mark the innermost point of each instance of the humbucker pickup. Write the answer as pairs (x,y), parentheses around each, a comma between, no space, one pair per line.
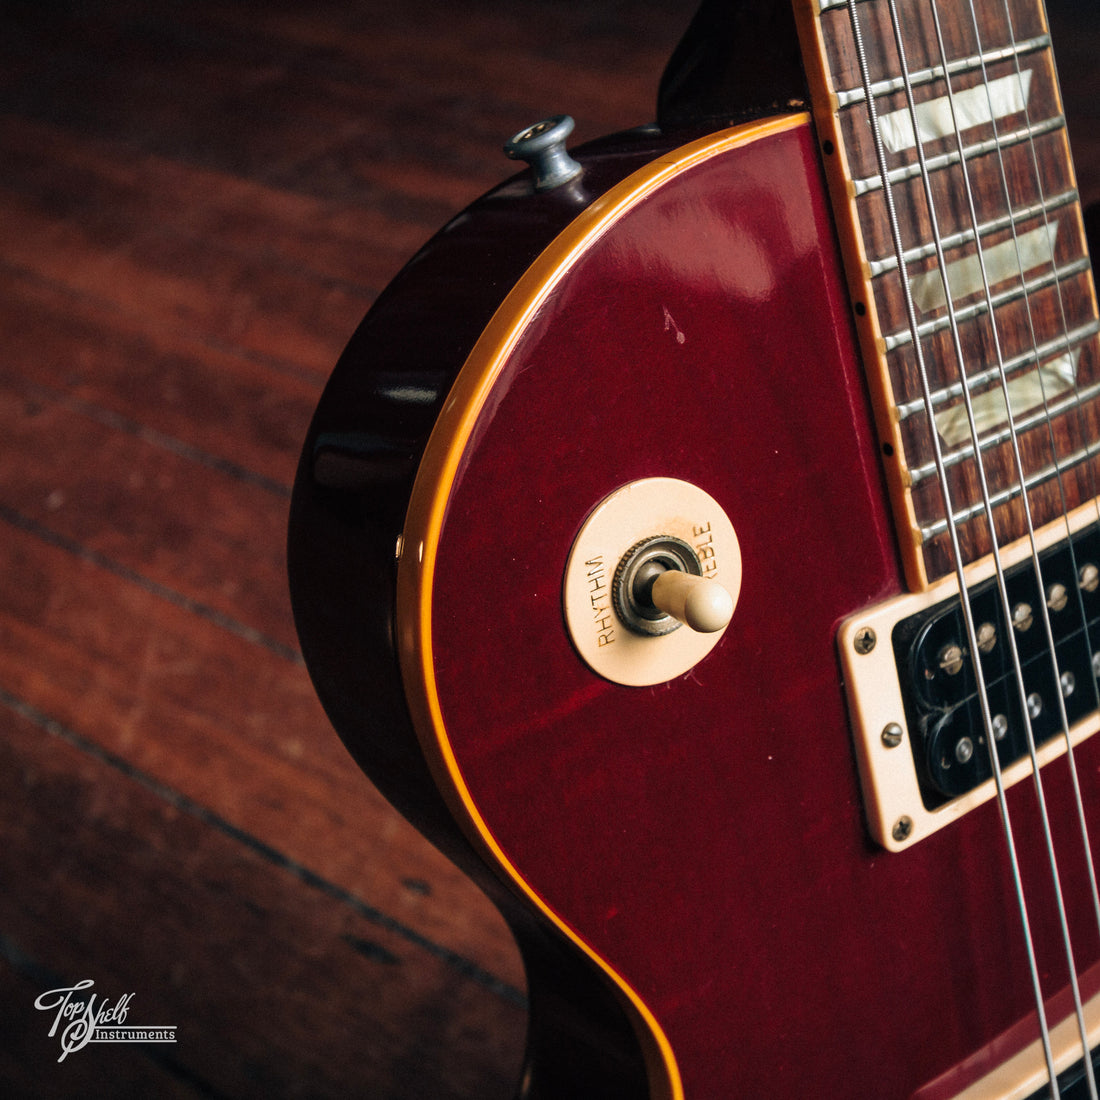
(914,691)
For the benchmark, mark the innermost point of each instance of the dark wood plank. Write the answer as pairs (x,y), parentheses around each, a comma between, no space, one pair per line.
(151,682)
(219,405)
(233,949)
(179,281)
(61,471)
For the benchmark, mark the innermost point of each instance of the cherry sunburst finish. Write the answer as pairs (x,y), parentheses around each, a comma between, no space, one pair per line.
(687,866)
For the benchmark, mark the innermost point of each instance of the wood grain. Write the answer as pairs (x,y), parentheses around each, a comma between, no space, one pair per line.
(197,204)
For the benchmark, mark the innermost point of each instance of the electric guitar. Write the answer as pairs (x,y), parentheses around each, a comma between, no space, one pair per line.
(700,542)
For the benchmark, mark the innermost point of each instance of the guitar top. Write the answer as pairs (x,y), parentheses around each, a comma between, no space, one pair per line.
(659,549)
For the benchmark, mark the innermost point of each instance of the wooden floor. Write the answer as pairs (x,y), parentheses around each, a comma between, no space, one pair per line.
(198,201)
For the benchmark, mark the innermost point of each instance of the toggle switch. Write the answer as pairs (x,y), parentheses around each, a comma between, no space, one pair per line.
(700,604)
(659,586)
(652,581)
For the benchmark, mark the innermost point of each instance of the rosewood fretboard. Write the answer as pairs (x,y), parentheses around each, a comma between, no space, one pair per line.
(975,154)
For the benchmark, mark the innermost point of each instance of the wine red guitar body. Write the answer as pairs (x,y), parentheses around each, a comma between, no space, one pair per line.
(686,865)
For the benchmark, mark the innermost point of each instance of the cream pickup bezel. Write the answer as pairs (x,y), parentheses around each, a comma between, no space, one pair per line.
(887,772)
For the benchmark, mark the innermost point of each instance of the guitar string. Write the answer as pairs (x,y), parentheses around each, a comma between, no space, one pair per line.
(1037,176)
(1082,426)
(952,530)
(1014,437)
(1082,823)
(961,359)
(1077,408)
(1012,223)
(1019,464)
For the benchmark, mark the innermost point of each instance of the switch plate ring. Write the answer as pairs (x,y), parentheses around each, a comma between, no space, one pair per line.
(635,513)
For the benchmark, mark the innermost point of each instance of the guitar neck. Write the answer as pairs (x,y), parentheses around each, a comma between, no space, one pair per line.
(958,211)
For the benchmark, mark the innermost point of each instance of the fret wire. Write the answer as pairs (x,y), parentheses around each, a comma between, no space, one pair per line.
(987,506)
(875,268)
(902,337)
(953,533)
(1027,359)
(868,184)
(1024,500)
(1026,422)
(1033,481)
(849,97)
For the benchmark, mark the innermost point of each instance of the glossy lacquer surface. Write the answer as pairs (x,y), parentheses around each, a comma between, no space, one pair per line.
(704,838)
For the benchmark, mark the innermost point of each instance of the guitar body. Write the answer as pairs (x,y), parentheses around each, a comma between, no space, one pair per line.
(686,865)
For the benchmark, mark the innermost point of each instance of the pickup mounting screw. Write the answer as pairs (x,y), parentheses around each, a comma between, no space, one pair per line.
(903,827)
(892,735)
(865,640)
